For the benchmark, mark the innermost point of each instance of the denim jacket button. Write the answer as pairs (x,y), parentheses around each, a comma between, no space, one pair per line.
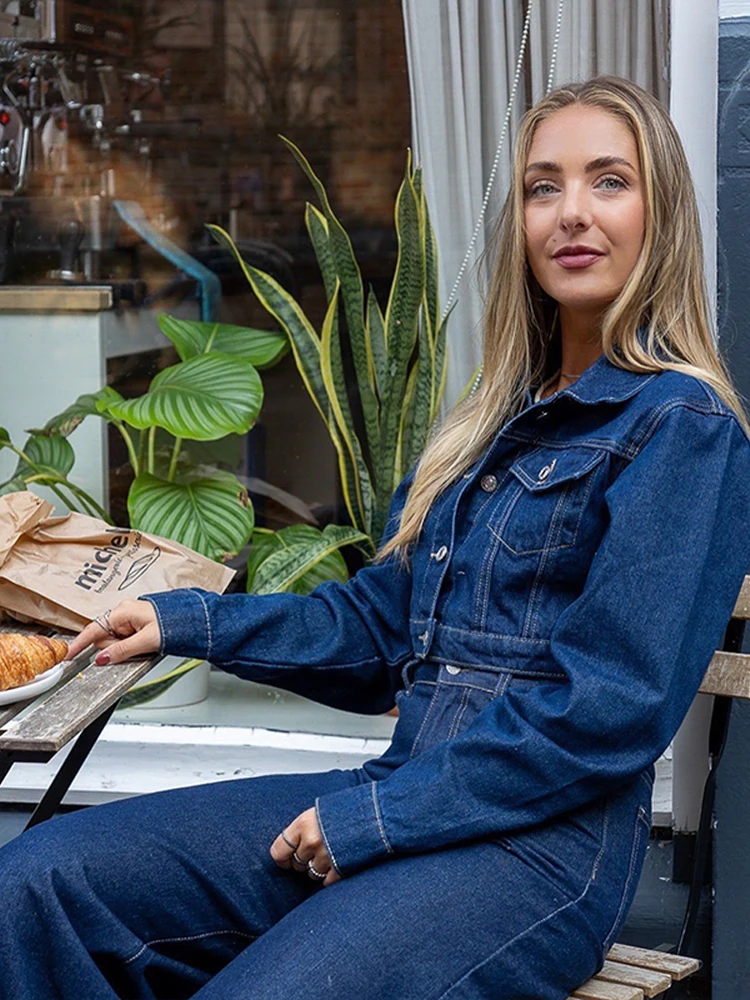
(488,484)
(441,553)
(451,669)
(545,471)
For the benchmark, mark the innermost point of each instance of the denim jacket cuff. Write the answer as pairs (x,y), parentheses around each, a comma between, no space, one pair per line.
(352,828)
(184,622)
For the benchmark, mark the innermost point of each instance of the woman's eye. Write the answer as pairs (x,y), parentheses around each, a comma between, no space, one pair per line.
(541,188)
(612,184)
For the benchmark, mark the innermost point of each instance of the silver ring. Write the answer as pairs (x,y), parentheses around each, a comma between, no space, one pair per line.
(288,842)
(103,622)
(298,859)
(313,872)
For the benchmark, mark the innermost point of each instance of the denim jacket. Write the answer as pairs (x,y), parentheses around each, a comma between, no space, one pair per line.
(595,549)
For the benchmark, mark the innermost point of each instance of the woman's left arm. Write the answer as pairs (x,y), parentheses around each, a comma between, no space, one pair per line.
(634,646)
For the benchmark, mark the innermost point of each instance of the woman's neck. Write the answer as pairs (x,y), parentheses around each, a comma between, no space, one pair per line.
(580,342)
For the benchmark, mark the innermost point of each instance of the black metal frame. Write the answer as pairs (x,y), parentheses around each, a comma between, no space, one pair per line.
(717,739)
(84,743)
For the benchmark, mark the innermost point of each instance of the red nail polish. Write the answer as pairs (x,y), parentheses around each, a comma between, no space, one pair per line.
(102,659)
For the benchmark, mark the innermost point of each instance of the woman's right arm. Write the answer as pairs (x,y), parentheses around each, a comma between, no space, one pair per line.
(343,644)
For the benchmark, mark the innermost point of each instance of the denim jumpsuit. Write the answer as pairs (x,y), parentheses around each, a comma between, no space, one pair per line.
(560,609)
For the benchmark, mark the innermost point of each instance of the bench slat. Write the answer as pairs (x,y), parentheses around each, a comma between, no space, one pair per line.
(652,983)
(742,605)
(677,966)
(599,990)
(50,725)
(728,674)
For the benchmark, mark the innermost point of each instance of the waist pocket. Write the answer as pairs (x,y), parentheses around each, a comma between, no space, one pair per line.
(459,695)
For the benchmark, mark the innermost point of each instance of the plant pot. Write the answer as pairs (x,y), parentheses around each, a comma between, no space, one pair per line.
(186,690)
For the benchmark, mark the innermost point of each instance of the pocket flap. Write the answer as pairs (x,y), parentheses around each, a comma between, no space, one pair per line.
(546,468)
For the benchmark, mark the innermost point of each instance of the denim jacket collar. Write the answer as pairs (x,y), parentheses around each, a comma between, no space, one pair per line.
(601,382)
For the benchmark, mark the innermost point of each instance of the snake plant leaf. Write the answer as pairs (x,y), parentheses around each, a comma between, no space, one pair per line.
(355,476)
(352,294)
(48,454)
(406,446)
(376,341)
(401,320)
(317,228)
(430,256)
(419,398)
(262,348)
(213,516)
(441,370)
(283,568)
(264,544)
(283,307)
(202,399)
(73,416)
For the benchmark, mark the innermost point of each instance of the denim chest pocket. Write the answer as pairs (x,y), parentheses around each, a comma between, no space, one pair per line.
(547,495)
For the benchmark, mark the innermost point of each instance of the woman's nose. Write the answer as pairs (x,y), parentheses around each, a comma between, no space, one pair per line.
(575,213)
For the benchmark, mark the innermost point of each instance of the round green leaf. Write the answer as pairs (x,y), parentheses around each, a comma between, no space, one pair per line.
(203,399)
(88,405)
(262,348)
(14,485)
(4,438)
(213,516)
(53,454)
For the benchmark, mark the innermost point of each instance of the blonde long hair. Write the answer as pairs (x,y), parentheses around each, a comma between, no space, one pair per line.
(665,293)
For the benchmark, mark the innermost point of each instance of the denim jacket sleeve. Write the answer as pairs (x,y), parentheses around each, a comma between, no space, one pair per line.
(634,647)
(341,645)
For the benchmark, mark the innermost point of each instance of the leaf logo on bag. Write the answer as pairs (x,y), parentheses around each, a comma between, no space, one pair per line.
(139,567)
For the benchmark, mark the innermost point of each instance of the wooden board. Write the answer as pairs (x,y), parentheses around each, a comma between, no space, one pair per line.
(728,674)
(742,605)
(599,990)
(651,982)
(46,724)
(676,966)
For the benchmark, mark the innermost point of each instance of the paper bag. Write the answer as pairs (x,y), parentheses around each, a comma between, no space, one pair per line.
(64,571)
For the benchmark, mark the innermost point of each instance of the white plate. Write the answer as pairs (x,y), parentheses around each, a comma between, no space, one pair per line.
(42,682)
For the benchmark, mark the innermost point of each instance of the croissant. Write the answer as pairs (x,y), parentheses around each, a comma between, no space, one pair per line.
(22,657)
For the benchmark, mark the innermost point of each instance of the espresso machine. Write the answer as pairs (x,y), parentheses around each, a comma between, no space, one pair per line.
(75,145)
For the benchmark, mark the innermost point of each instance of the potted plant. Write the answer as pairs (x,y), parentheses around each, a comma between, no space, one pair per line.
(399,361)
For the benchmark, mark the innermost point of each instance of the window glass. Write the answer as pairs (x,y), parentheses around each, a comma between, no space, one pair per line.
(126,127)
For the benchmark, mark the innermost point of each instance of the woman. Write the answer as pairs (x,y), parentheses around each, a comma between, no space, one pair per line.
(554,578)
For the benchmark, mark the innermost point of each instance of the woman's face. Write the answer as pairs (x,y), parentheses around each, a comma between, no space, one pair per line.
(583,207)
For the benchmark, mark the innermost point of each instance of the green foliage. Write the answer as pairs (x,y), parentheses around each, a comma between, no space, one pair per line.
(398,357)
(214,391)
(298,558)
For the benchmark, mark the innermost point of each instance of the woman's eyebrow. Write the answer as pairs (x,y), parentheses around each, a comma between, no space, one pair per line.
(600,163)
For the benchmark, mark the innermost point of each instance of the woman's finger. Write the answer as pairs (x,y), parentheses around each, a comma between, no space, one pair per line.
(126,620)
(147,641)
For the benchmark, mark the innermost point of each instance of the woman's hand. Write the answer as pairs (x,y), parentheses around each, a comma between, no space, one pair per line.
(301,842)
(130,629)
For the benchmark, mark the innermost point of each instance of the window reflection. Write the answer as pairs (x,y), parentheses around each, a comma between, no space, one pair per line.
(128,125)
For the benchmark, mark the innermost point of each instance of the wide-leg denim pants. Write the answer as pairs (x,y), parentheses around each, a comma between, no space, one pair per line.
(175,894)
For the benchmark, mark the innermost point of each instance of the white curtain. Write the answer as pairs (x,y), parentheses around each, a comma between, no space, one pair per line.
(462,57)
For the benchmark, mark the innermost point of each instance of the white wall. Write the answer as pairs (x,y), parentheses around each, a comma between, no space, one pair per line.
(734,8)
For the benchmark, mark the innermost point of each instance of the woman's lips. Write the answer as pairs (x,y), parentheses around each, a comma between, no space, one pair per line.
(575,261)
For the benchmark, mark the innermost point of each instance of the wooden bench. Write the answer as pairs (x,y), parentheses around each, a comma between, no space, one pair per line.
(634,973)
(79,706)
